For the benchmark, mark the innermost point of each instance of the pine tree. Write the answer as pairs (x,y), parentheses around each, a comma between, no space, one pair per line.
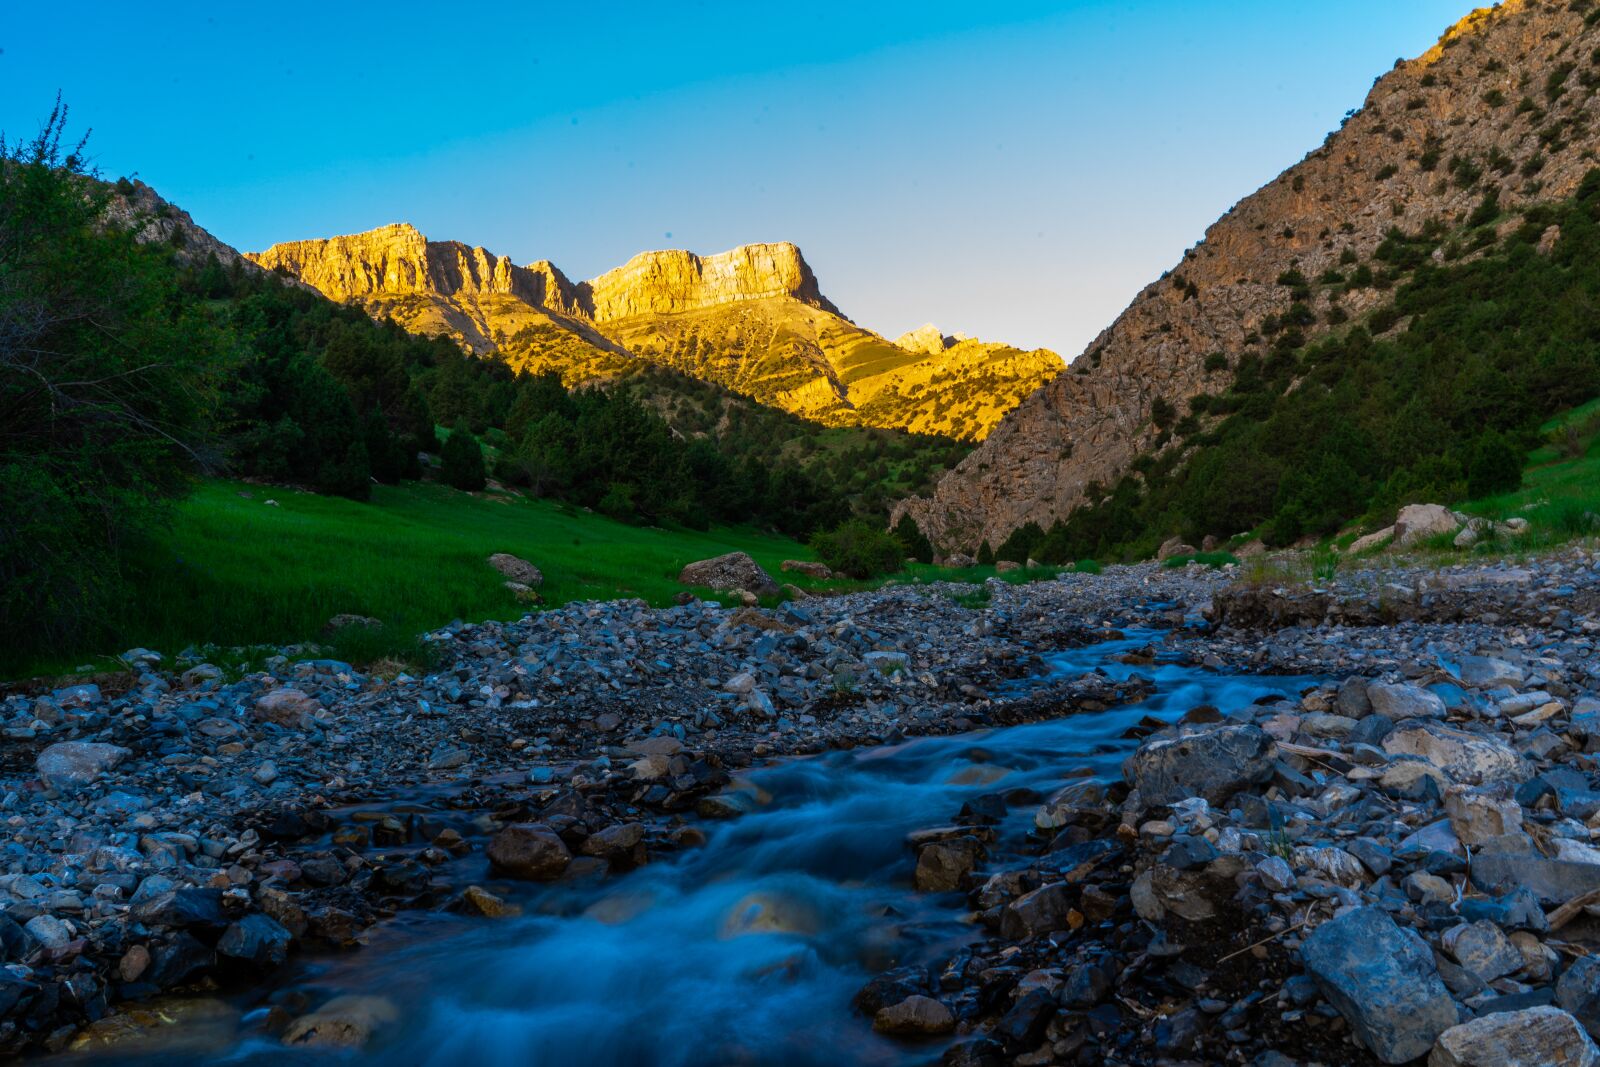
(462,460)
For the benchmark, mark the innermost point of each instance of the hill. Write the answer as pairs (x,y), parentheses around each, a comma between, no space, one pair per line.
(752,319)
(1451,154)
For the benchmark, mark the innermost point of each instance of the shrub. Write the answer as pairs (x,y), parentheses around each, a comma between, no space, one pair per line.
(912,540)
(985,555)
(1495,466)
(462,460)
(859,549)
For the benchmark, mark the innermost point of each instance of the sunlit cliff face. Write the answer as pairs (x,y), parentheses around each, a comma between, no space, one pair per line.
(752,319)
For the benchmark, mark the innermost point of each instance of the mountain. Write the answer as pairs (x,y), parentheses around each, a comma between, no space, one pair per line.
(752,319)
(1496,117)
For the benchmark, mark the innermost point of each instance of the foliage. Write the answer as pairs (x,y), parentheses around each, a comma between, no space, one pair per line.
(1311,436)
(913,541)
(106,385)
(859,549)
(461,460)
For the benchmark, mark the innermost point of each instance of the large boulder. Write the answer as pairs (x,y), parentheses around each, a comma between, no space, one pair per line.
(515,569)
(732,573)
(1400,701)
(1532,1037)
(529,852)
(1383,980)
(1174,546)
(1418,522)
(808,567)
(1468,758)
(1213,763)
(914,1016)
(71,764)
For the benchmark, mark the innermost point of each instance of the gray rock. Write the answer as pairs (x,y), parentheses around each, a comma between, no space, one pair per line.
(1404,701)
(1382,979)
(1553,881)
(733,572)
(1485,672)
(516,570)
(1212,763)
(1484,950)
(529,852)
(915,1015)
(1468,758)
(1532,1037)
(1578,992)
(72,764)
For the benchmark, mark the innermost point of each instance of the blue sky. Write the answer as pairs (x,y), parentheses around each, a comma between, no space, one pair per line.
(1015,171)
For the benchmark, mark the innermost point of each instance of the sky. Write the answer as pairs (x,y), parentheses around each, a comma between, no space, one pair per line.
(1012,171)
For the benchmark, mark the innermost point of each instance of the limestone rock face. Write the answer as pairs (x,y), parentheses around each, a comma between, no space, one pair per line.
(1090,423)
(752,319)
(669,283)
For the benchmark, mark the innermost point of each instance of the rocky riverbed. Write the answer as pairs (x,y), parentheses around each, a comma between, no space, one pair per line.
(1386,860)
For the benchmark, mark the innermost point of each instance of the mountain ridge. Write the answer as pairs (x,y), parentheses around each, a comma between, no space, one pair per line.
(1433,136)
(752,319)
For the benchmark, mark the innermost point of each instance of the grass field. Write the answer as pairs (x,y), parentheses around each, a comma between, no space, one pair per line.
(235,571)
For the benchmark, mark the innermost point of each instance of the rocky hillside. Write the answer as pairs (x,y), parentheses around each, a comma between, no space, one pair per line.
(752,319)
(1503,102)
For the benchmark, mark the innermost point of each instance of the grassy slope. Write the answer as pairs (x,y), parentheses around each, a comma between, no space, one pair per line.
(1557,492)
(233,570)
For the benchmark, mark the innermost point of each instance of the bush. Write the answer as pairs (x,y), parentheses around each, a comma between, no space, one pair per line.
(859,549)
(985,555)
(462,460)
(1495,467)
(913,540)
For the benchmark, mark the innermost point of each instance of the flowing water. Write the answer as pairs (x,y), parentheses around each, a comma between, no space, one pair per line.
(747,950)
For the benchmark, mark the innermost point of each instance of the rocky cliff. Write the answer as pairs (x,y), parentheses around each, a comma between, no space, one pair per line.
(752,319)
(1505,100)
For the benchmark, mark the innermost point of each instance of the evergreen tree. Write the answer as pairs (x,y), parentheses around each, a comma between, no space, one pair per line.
(462,460)
(913,542)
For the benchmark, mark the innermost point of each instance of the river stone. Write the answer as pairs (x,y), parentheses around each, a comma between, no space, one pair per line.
(1470,759)
(287,707)
(914,1015)
(1486,672)
(343,1022)
(1404,701)
(528,852)
(1485,951)
(1477,815)
(1418,522)
(1045,909)
(615,841)
(942,864)
(1553,881)
(1532,1037)
(733,572)
(71,764)
(1382,979)
(1214,764)
(1578,992)
(255,939)
(517,570)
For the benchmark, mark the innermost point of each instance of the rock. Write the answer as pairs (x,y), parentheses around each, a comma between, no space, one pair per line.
(733,572)
(1006,566)
(809,568)
(287,707)
(959,561)
(1211,763)
(514,569)
(1532,1037)
(344,622)
(1476,815)
(913,1016)
(529,852)
(1469,759)
(48,930)
(1553,881)
(1484,950)
(617,841)
(1578,992)
(476,900)
(1376,539)
(1485,672)
(1404,701)
(72,764)
(1174,546)
(343,1022)
(255,939)
(1382,979)
(1418,522)
(1045,909)
(942,864)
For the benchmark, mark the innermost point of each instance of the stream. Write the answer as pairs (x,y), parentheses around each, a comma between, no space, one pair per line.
(749,949)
